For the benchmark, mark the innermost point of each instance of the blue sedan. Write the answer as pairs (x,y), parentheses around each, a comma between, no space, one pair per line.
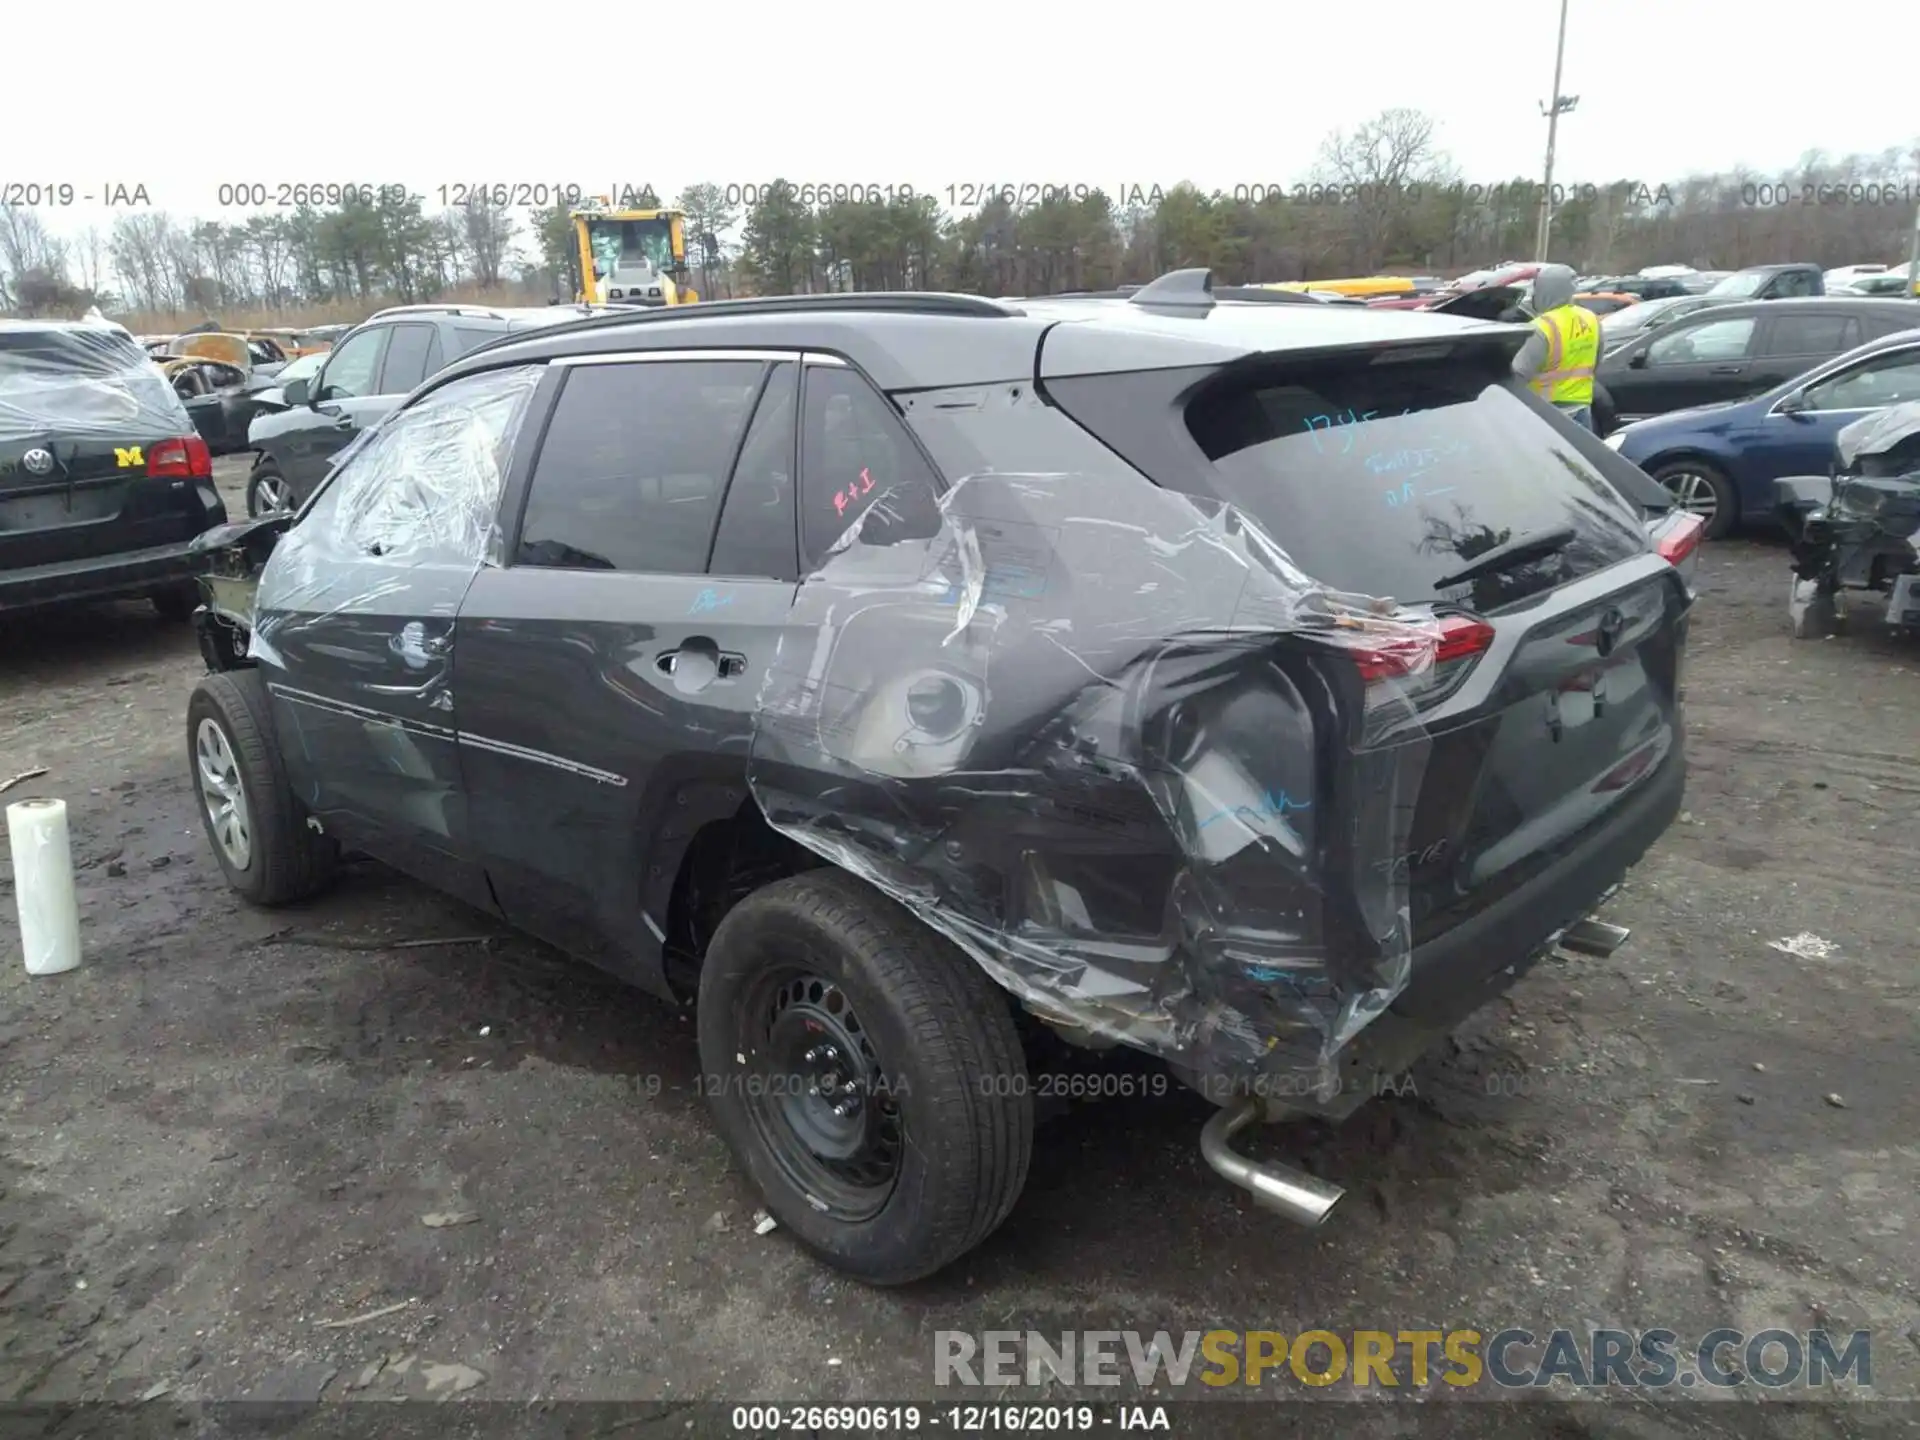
(1720,461)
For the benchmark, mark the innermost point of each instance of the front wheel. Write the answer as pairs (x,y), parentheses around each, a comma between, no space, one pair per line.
(865,1074)
(255,824)
(1701,489)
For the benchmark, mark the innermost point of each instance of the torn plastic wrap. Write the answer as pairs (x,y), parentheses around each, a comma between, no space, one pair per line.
(83,383)
(423,491)
(1891,435)
(1117,747)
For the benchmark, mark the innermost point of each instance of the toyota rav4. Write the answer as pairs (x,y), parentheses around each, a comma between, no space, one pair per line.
(1261,687)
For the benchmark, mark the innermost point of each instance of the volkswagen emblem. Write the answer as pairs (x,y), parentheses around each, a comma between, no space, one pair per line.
(37,461)
(1607,634)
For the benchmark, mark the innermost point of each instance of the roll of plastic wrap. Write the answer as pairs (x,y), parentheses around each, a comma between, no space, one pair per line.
(43,885)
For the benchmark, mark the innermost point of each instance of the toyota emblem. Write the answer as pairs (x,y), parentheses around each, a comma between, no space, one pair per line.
(38,462)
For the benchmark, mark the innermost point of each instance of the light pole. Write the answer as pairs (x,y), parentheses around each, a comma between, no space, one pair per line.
(1559,106)
(1913,257)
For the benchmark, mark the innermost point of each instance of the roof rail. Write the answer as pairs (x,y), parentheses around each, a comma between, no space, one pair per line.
(482,312)
(883,302)
(1178,290)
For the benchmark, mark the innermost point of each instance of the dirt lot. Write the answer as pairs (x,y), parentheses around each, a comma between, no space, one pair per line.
(227,1127)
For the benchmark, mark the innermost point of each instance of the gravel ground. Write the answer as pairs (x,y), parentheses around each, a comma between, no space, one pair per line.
(225,1129)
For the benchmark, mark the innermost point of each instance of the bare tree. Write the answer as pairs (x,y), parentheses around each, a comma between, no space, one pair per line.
(90,257)
(26,248)
(1380,168)
(486,234)
(141,248)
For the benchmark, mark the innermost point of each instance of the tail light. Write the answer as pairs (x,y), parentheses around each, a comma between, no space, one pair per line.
(1426,661)
(1628,770)
(186,458)
(1680,537)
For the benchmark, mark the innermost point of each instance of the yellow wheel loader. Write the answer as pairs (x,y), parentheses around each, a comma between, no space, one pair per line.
(632,257)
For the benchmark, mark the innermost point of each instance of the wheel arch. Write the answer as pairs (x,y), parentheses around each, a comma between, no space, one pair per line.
(1699,454)
(713,850)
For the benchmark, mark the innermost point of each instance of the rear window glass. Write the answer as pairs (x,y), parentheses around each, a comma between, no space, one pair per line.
(82,378)
(1385,479)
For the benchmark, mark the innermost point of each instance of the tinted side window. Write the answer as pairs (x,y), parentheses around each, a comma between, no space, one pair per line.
(634,463)
(467,338)
(1812,334)
(406,359)
(757,525)
(352,367)
(1729,339)
(1885,379)
(854,453)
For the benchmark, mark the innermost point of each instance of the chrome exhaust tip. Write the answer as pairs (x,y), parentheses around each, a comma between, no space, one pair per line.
(1294,1194)
(1593,937)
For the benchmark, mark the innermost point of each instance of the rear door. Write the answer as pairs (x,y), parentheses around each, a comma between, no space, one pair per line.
(610,670)
(1797,341)
(80,413)
(1561,708)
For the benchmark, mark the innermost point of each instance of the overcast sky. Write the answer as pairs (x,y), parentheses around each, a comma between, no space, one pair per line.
(927,95)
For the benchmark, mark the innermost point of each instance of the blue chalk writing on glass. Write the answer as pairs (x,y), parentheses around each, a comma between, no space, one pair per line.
(1273,806)
(708,600)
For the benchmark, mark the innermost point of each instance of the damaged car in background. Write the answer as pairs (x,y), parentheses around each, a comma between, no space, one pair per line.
(103,482)
(1858,529)
(222,399)
(900,678)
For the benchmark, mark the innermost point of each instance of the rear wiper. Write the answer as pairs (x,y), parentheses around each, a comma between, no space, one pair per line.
(1517,551)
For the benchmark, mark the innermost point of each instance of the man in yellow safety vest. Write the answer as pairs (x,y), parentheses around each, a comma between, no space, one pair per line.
(1559,357)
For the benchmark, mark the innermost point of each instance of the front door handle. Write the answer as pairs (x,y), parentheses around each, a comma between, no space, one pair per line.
(704,664)
(1728,370)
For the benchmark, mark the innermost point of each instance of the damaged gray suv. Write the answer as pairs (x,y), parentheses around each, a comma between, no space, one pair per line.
(912,681)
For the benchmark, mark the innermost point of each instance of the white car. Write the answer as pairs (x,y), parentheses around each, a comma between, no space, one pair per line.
(1845,275)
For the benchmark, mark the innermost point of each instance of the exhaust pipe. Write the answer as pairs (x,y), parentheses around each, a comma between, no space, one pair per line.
(1593,937)
(1291,1193)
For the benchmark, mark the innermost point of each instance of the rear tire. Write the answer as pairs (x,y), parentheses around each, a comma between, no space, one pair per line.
(1704,490)
(177,602)
(267,491)
(257,827)
(822,962)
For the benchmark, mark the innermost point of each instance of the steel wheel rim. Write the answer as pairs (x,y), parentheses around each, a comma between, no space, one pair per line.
(223,794)
(271,495)
(1693,492)
(817,1097)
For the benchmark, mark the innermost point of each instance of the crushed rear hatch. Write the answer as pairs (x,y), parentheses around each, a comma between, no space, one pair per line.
(1409,472)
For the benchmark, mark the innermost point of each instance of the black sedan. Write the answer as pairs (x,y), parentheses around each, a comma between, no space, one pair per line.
(1731,351)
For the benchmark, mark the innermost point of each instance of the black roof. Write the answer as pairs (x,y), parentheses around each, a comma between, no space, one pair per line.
(922,341)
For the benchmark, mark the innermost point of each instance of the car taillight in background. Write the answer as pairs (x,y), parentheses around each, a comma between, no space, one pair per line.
(1424,663)
(186,458)
(1679,537)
